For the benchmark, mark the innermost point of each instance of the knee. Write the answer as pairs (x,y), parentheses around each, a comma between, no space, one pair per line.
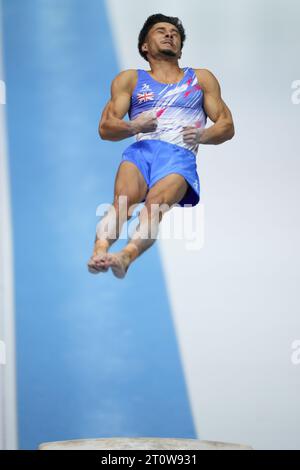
(154,197)
(156,206)
(124,204)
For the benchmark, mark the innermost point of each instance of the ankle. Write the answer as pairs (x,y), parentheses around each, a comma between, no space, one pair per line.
(131,250)
(101,245)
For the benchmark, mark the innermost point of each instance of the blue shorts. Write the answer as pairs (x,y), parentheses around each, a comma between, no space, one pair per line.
(157,158)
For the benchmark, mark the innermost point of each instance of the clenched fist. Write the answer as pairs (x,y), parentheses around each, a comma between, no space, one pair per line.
(144,122)
(191,134)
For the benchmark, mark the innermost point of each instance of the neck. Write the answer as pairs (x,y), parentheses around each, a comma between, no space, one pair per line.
(165,70)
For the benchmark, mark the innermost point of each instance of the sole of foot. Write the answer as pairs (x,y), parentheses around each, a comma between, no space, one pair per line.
(98,263)
(119,264)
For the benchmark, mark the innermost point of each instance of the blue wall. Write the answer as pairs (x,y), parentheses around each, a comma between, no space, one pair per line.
(96,356)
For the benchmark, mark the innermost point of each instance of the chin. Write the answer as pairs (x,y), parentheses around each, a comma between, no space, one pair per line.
(168,52)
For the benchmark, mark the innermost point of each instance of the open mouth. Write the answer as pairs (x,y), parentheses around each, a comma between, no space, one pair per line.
(167,42)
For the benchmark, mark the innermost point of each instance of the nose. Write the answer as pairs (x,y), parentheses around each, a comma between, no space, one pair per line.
(169,36)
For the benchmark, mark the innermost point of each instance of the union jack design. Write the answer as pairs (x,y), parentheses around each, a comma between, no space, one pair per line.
(147,96)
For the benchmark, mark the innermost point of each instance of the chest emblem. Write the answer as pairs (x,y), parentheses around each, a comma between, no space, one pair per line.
(146,94)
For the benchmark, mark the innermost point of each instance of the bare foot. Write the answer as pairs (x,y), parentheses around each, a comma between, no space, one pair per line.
(98,262)
(119,263)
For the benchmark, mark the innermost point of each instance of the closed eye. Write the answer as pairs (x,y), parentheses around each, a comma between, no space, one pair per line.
(162,30)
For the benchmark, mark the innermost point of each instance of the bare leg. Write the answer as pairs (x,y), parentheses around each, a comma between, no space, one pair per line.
(160,199)
(108,231)
(142,239)
(130,188)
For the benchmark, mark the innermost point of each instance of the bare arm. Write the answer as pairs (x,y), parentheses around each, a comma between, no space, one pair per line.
(111,125)
(217,111)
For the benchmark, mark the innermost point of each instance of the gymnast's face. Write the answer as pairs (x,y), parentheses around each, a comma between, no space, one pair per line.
(163,39)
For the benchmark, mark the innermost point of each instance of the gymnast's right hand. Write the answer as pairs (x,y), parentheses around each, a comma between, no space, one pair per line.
(144,122)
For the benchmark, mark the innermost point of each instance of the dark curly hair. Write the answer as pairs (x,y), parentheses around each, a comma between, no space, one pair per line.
(151,21)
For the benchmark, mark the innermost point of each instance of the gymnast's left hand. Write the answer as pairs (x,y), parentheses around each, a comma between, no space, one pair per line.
(191,134)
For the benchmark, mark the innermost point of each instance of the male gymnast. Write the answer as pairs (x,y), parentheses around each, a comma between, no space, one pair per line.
(168,108)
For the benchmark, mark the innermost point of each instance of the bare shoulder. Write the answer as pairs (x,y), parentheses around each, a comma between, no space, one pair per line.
(125,80)
(207,80)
